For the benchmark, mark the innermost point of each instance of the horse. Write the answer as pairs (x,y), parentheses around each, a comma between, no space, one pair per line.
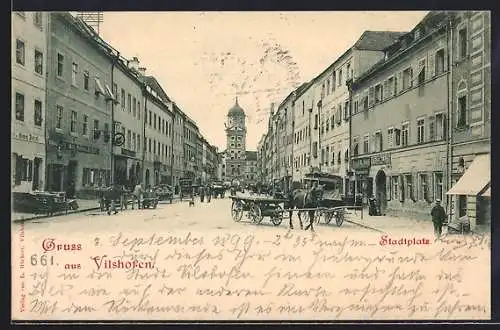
(301,199)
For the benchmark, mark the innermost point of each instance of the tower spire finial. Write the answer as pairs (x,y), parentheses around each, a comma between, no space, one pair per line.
(236,100)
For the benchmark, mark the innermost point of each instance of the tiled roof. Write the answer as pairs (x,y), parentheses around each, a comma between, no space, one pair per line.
(251,155)
(377,40)
(155,85)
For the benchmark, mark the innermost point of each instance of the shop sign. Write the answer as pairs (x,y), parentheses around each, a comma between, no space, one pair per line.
(361,163)
(381,159)
(27,137)
(362,171)
(128,153)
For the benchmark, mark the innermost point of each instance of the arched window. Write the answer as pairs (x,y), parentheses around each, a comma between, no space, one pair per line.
(462,105)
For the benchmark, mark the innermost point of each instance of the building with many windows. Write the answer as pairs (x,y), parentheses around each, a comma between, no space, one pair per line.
(470,100)
(158,117)
(129,120)
(178,145)
(29,58)
(398,125)
(79,101)
(191,157)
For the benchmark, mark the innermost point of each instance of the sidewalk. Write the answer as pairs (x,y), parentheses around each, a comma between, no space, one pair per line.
(83,205)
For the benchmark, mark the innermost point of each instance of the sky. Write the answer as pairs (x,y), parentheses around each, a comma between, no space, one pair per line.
(203,60)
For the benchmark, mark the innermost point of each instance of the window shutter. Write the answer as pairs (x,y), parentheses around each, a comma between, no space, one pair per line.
(400,81)
(445,128)
(388,188)
(431,60)
(401,188)
(371,98)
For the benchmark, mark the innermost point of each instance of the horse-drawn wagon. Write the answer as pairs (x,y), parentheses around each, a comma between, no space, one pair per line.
(257,208)
(330,203)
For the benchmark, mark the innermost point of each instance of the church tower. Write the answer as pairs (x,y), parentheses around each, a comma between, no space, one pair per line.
(236,133)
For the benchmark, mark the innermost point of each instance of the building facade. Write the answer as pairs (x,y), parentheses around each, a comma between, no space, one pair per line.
(178,145)
(29,66)
(398,124)
(251,174)
(191,169)
(235,144)
(158,134)
(304,124)
(79,108)
(470,35)
(128,120)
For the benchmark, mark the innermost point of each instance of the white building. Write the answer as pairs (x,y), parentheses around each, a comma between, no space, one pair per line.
(29,53)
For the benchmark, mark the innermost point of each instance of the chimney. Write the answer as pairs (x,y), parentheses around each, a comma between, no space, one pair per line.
(133,63)
(142,71)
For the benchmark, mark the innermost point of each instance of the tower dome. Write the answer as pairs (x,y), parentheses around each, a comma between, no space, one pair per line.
(236,110)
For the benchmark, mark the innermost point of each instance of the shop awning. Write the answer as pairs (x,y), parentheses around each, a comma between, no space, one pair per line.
(475,178)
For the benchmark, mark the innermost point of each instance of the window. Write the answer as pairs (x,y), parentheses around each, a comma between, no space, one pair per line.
(74,71)
(316,121)
(409,186)
(346,155)
(96,127)
(439,61)
(315,149)
(462,111)
(440,133)
(38,113)
(379,92)
(59,116)
(378,142)
(86,80)
(366,144)
(134,106)
(123,99)
(346,110)
(19,106)
(150,117)
(334,79)
(421,71)
(420,131)
(407,78)
(60,64)
(395,187)
(73,122)
(38,62)
(328,86)
(138,109)
(348,71)
(85,128)
(129,140)
(424,187)
(37,19)
(129,103)
(339,159)
(340,77)
(390,138)
(390,90)
(462,43)
(438,188)
(20,55)
(405,134)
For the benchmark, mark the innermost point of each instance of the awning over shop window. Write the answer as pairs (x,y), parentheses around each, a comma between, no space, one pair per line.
(475,178)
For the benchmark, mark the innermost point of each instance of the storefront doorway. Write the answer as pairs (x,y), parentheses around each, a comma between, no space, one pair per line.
(381,195)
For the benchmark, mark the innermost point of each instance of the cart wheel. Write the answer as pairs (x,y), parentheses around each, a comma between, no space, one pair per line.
(236,210)
(277,216)
(256,214)
(328,215)
(339,219)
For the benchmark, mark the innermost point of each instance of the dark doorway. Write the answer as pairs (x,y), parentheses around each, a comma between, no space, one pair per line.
(147,178)
(462,205)
(381,195)
(37,163)
(71,183)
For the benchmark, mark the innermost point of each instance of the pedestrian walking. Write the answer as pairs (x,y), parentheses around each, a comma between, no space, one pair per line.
(138,191)
(209,193)
(202,194)
(438,218)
